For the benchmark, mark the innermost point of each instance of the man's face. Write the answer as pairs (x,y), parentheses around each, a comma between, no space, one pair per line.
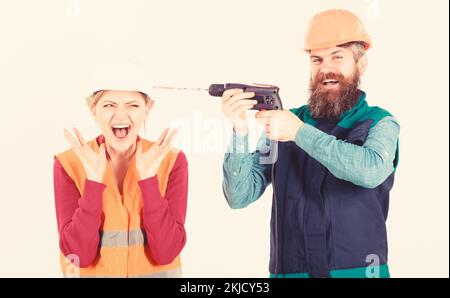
(334,82)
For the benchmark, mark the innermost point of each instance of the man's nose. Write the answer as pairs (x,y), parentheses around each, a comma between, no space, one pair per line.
(328,65)
(324,71)
(327,68)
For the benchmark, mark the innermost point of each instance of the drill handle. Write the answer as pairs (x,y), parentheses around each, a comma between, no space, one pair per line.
(267,96)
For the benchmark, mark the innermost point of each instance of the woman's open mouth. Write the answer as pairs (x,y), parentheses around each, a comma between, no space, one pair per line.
(121,130)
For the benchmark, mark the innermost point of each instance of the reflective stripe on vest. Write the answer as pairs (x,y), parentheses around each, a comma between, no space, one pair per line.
(122,238)
(171,273)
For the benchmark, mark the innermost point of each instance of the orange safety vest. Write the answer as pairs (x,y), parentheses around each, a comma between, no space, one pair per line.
(123,250)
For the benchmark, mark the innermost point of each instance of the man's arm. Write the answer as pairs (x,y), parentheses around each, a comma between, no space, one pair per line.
(368,165)
(245,175)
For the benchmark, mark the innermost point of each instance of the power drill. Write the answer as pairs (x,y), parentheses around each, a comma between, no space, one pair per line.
(266,95)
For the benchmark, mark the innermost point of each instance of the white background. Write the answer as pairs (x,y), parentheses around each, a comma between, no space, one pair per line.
(48,47)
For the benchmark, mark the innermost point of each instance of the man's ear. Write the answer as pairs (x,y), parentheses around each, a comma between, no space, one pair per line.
(362,65)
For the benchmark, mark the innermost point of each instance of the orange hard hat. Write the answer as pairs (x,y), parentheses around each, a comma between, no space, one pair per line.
(334,27)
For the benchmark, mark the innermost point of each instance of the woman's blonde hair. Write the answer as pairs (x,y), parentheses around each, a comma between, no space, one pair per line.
(92,100)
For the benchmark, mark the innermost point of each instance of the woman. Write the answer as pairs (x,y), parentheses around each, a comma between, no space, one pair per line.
(120,199)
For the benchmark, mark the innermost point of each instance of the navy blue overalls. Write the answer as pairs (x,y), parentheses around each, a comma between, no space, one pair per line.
(325,223)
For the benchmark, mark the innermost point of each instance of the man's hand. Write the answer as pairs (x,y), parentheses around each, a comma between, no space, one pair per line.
(148,162)
(280,125)
(235,103)
(94,163)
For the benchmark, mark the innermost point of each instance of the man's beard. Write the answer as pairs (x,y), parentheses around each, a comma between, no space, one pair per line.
(329,104)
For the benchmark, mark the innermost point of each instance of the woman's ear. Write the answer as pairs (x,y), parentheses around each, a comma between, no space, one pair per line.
(148,106)
(362,65)
(93,110)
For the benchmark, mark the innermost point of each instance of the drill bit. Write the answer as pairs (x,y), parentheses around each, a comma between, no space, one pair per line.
(179,88)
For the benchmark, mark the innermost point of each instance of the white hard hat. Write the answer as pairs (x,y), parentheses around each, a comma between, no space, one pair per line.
(119,74)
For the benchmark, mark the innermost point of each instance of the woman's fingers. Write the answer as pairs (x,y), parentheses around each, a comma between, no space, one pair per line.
(163,136)
(79,136)
(78,143)
(71,140)
(103,150)
(168,140)
(139,147)
(73,146)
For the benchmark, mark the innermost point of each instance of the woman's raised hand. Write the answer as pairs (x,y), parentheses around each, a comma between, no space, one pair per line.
(94,163)
(148,162)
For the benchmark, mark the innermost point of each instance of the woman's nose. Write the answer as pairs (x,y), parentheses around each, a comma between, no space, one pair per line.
(121,113)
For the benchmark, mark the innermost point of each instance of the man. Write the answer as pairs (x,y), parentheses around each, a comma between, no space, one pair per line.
(334,165)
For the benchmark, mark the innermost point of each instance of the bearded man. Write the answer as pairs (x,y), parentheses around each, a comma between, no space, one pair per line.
(333,163)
